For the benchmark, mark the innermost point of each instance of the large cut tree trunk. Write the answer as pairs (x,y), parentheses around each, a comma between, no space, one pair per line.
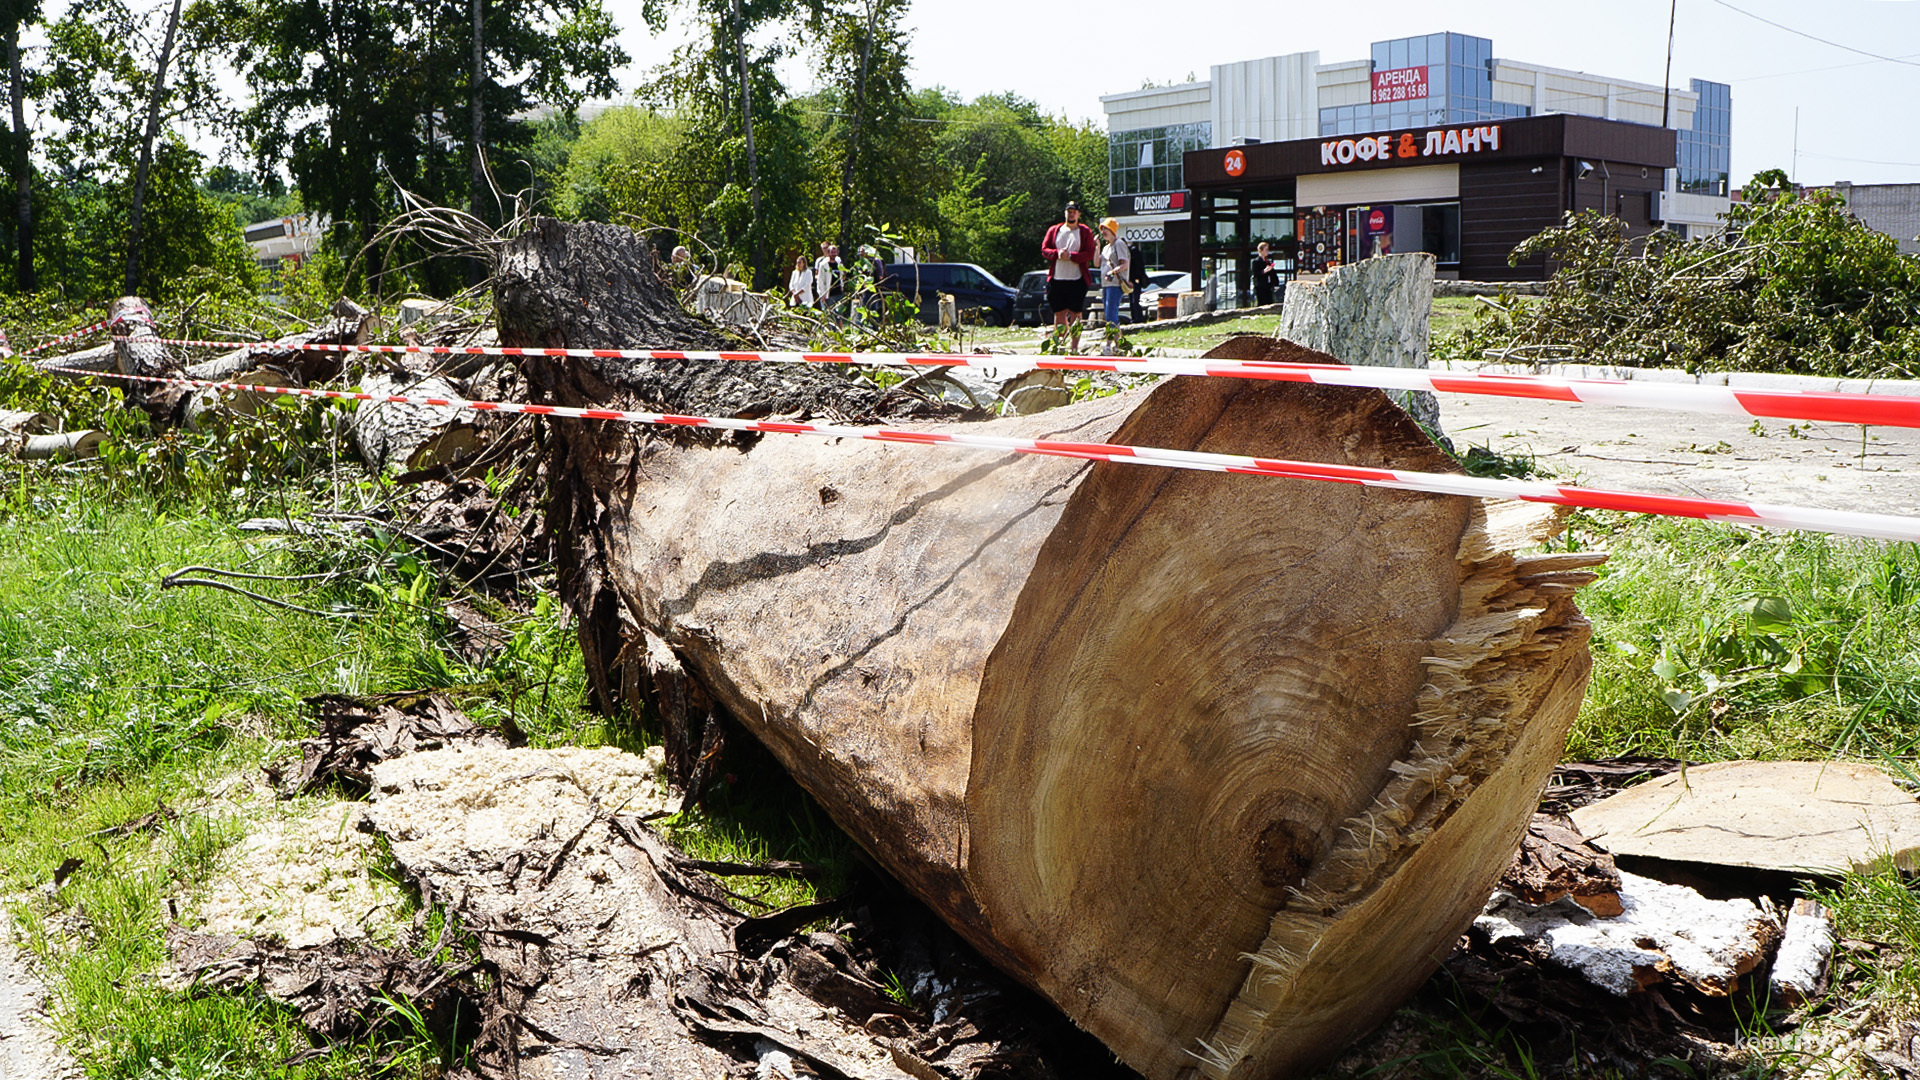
(1220,764)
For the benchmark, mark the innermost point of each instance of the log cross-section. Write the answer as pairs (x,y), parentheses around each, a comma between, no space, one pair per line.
(1220,764)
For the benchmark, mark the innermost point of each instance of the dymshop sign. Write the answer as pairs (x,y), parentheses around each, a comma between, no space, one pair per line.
(1451,142)
(1158,202)
(1399,84)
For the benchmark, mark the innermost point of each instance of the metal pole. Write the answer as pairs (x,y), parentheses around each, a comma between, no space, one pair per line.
(1666,81)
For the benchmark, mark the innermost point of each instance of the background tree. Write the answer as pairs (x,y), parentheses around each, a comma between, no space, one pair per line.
(742,206)
(873,137)
(1013,149)
(99,82)
(1795,284)
(15,16)
(354,97)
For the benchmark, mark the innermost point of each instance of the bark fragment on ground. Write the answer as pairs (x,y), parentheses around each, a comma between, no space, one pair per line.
(1555,861)
(1664,932)
(337,988)
(1806,954)
(1786,816)
(356,733)
(612,955)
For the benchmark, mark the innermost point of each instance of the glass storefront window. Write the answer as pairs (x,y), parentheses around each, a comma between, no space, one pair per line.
(1149,159)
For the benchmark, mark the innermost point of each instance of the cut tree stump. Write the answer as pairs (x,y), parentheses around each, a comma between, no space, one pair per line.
(1222,765)
(1372,313)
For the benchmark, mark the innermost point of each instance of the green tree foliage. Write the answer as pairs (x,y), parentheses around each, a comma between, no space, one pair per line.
(98,76)
(94,80)
(191,236)
(354,97)
(246,197)
(743,187)
(1795,284)
(1027,165)
(619,167)
(874,144)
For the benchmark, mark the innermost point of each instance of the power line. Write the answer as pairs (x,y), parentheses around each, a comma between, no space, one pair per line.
(1859,160)
(1813,71)
(1812,37)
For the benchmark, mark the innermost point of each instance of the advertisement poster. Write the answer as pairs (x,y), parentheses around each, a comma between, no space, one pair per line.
(1318,236)
(1376,231)
(1399,84)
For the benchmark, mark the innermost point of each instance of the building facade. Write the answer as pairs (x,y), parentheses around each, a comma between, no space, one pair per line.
(1893,209)
(1411,85)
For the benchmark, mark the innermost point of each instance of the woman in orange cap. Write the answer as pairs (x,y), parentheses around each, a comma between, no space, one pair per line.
(1115,264)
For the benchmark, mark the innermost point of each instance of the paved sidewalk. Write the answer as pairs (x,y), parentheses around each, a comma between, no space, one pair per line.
(27,1048)
(1833,466)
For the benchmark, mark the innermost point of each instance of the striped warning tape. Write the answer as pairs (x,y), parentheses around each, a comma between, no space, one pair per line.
(1882,409)
(61,340)
(1882,526)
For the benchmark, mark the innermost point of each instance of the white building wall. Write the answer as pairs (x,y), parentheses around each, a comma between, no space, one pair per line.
(1893,209)
(1160,106)
(1272,99)
(1348,83)
(1557,90)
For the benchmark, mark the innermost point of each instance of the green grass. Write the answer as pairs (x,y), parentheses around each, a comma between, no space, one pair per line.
(1450,313)
(116,695)
(1714,642)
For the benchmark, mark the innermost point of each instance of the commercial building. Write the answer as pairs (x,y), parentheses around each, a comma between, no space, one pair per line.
(1464,154)
(285,242)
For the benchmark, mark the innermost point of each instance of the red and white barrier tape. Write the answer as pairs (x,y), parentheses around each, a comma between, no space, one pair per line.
(1882,526)
(1845,408)
(62,339)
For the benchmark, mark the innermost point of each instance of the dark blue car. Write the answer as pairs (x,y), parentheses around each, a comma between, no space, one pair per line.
(972,287)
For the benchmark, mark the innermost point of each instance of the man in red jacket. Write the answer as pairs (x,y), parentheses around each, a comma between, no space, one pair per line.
(1069,250)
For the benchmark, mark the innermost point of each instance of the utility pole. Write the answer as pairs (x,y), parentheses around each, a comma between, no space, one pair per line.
(1666,81)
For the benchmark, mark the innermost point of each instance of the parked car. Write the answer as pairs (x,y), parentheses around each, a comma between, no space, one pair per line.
(1171,282)
(1030,307)
(973,289)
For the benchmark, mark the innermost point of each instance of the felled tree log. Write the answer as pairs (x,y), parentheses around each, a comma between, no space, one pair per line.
(97,358)
(392,436)
(351,325)
(1222,765)
(63,446)
(138,351)
(1372,313)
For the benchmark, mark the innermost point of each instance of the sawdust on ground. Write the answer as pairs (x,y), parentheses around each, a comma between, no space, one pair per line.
(305,874)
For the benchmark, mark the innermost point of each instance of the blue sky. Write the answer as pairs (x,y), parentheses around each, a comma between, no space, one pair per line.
(1858,117)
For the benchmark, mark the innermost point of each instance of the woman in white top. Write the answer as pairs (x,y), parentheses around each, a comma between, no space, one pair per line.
(800,284)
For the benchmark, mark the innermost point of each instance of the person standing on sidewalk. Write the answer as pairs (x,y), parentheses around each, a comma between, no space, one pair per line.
(1116,269)
(1069,249)
(1266,274)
